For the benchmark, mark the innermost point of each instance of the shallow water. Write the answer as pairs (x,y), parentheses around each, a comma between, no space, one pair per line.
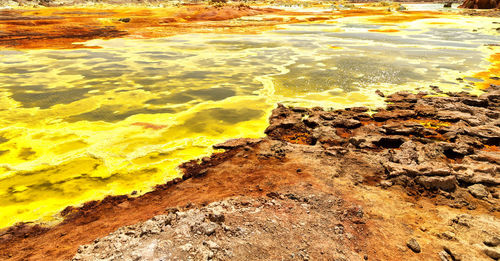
(80,124)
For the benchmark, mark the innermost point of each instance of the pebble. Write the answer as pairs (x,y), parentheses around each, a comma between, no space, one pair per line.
(444,256)
(447,235)
(124,20)
(186,247)
(210,244)
(492,242)
(493,253)
(385,184)
(216,217)
(413,245)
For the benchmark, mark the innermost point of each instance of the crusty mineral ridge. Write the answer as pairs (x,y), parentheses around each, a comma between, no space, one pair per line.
(417,180)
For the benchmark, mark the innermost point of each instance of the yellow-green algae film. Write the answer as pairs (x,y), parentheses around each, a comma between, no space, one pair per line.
(77,125)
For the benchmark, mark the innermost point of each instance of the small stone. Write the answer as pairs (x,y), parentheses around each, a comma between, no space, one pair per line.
(210,244)
(208,228)
(493,253)
(448,235)
(478,191)
(347,123)
(339,229)
(413,245)
(385,184)
(450,254)
(492,242)
(149,227)
(216,217)
(444,256)
(186,247)
(124,20)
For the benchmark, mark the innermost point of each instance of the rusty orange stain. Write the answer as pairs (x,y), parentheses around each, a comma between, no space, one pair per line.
(148,125)
(491,148)
(361,12)
(407,16)
(431,123)
(298,138)
(491,75)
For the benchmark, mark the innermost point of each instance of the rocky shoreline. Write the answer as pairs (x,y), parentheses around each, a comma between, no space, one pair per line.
(418,179)
(440,148)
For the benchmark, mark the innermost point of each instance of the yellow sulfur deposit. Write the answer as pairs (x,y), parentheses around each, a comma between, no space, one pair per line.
(79,124)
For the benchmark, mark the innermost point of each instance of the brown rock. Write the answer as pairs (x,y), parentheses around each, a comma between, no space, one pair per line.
(491,252)
(452,116)
(444,256)
(447,183)
(403,129)
(346,123)
(425,110)
(476,102)
(413,245)
(384,115)
(480,4)
(477,177)
(492,241)
(478,191)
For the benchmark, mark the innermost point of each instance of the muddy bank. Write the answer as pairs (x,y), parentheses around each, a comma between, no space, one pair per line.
(418,179)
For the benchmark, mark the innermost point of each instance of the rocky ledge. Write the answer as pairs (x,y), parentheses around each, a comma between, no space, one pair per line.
(427,144)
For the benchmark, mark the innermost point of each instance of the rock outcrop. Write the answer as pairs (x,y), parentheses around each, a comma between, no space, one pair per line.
(480,4)
(433,143)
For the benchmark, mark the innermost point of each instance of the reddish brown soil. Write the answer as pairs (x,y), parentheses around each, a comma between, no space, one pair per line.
(62,27)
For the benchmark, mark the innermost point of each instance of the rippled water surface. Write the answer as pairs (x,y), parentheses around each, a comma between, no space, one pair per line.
(80,124)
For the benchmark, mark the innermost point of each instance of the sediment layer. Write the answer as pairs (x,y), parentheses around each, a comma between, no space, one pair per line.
(415,180)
